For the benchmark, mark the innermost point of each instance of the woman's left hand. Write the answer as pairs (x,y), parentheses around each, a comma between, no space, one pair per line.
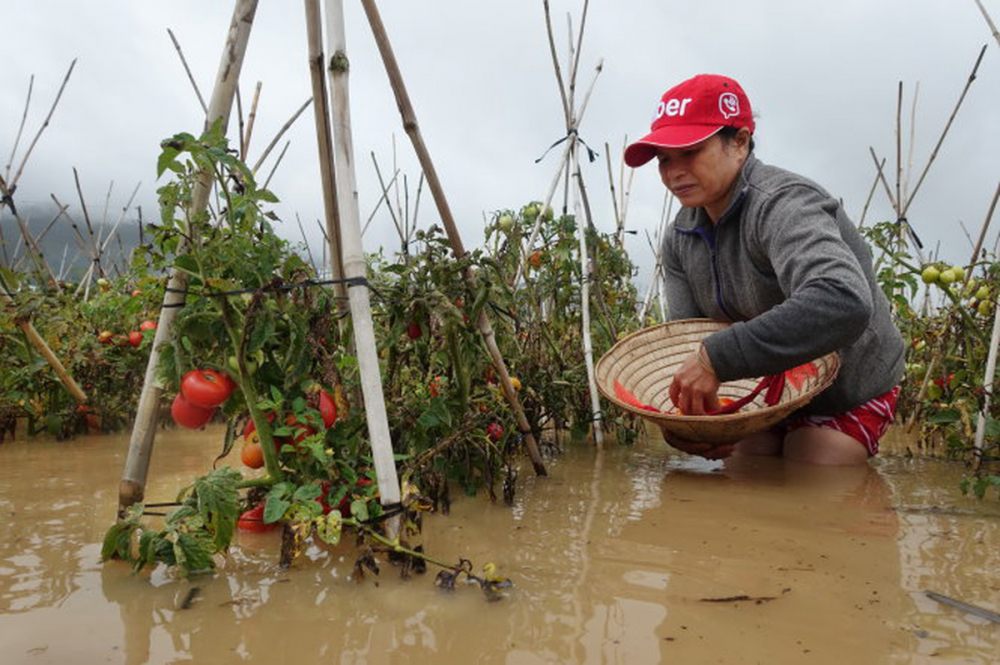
(695,388)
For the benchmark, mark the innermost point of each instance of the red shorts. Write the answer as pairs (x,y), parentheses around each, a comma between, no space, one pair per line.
(865,423)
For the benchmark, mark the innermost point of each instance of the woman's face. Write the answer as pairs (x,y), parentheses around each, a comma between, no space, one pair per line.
(703,175)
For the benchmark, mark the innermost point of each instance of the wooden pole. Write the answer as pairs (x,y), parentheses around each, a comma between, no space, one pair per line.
(437,191)
(324,142)
(989,21)
(354,261)
(133,483)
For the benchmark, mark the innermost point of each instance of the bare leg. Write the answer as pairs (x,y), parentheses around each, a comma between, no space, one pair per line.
(820,445)
(762,443)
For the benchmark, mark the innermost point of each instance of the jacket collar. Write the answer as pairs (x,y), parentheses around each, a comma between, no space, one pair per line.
(696,217)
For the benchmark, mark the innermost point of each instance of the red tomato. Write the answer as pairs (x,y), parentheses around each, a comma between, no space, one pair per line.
(494,432)
(251,426)
(435,386)
(414,331)
(302,430)
(135,338)
(327,408)
(206,388)
(253,520)
(188,415)
(147,325)
(252,455)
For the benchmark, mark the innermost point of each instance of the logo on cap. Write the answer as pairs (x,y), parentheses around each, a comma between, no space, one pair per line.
(729,105)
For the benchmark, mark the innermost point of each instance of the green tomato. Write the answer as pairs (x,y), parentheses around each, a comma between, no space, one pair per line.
(934,392)
(959,272)
(983,293)
(985,307)
(506,223)
(947,276)
(930,275)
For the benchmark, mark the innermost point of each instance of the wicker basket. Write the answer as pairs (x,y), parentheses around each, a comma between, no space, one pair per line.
(644,364)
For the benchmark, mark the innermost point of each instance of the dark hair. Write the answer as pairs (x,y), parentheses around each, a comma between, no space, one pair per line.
(727,134)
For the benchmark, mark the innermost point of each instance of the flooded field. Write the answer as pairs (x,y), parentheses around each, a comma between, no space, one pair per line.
(632,555)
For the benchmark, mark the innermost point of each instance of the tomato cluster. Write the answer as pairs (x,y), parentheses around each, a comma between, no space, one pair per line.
(202,392)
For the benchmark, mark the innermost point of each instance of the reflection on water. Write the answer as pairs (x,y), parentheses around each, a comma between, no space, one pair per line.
(631,555)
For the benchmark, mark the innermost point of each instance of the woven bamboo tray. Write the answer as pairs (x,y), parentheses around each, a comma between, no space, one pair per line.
(644,364)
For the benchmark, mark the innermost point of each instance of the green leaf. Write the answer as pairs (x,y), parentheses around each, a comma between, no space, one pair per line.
(117,541)
(193,551)
(274,508)
(219,503)
(328,527)
(307,492)
(359,509)
(944,417)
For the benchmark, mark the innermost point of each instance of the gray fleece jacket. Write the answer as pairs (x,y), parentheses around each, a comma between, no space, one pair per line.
(790,270)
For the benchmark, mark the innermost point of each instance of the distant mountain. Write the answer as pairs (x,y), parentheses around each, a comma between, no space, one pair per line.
(60,246)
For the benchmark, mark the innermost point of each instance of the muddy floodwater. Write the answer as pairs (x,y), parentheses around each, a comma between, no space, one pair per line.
(631,555)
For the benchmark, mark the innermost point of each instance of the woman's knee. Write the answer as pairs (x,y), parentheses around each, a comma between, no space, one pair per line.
(821,445)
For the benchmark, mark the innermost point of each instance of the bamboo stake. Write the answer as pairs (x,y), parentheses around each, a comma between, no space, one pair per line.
(913,141)
(194,84)
(45,123)
(354,261)
(281,132)
(991,368)
(385,196)
(321,116)
(951,119)
(32,248)
(277,163)
(585,272)
(982,231)
(437,191)
(989,21)
(871,193)
(570,141)
(133,483)
(614,196)
(378,204)
(20,128)
(305,241)
(245,142)
(555,60)
(39,343)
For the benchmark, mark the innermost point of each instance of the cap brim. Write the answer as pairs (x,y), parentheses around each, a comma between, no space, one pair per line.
(645,148)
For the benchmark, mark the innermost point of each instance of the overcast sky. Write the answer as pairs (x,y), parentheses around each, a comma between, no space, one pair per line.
(822,77)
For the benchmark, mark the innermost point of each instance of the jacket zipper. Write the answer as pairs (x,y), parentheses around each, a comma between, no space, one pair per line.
(709,240)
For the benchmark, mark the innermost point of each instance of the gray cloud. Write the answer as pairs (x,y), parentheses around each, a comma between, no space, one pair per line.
(822,76)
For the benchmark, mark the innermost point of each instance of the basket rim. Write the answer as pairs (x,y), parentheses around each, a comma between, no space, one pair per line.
(833,358)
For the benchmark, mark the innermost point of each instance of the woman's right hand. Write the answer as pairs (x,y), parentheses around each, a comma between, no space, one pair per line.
(695,387)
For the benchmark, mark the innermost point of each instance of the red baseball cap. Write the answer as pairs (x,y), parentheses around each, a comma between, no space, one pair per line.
(690,112)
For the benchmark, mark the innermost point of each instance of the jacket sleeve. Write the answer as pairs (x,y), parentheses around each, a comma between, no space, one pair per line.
(828,301)
(680,300)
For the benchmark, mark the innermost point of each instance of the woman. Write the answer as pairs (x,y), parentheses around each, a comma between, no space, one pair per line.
(775,254)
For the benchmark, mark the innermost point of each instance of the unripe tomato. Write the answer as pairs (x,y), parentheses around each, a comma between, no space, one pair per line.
(187,414)
(959,272)
(947,277)
(505,223)
(983,293)
(206,388)
(105,336)
(985,307)
(930,275)
(516,382)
